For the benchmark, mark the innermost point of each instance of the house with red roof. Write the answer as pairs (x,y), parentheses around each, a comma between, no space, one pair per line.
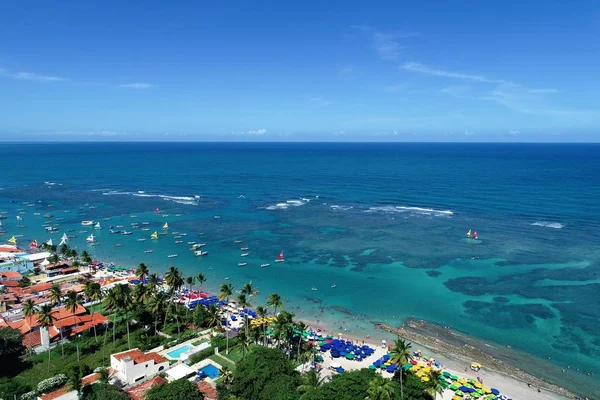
(134,365)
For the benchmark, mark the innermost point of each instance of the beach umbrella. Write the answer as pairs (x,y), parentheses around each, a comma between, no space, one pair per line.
(372,367)
(495,391)
(335,365)
(446,374)
(350,356)
(425,379)
(487,390)
(457,397)
(454,377)
(453,386)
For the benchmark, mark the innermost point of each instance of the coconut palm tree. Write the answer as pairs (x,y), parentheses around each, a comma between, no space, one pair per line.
(111,303)
(29,310)
(45,320)
(72,303)
(400,354)
(433,386)
(173,279)
(141,294)
(262,312)
(158,303)
(200,278)
(224,294)
(244,303)
(283,329)
(190,281)
(86,258)
(226,376)
(142,272)
(248,289)
(310,382)
(212,317)
(56,299)
(93,292)
(301,326)
(244,343)
(275,301)
(124,305)
(153,282)
(380,389)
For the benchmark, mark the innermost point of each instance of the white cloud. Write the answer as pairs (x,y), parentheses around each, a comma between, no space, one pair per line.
(137,85)
(386,44)
(514,132)
(30,76)
(339,133)
(256,132)
(424,69)
(457,90)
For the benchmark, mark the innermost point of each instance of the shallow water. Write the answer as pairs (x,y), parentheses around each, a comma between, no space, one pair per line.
(385,223)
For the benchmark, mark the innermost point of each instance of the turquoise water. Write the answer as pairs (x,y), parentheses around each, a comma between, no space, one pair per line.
(210,370)
(385,223)
(179,351)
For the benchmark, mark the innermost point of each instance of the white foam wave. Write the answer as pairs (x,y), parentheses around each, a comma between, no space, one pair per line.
(411,210)
(48,183)
(336,207)
(176,199)
(288,204)
(546,224)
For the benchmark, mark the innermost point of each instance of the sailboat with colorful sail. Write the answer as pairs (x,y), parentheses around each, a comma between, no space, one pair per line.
(166,226)
(33,244)
(280,257)
(469,234)
(12,240)
(154,235)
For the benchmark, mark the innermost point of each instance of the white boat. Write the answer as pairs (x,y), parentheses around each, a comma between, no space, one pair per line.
(127,232)
(90,239)
(19,218)
(148,251)
(244,255)
(245,248)
(118,245)
(172,256)
(314,288)
(145,229)
(265,265)
(97,226)
(87,223)
(334,285)
(198,245)
(192,243)
(200,253)
(217,217)
(237,241)
(242,264)
(141,239)
(178,241)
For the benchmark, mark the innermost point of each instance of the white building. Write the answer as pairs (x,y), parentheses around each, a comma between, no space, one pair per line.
(134,365)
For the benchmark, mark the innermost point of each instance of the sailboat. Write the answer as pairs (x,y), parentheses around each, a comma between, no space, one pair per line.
(97,226)
(64,239)
(90,239)
(469,234)
(12,240)
(49,242)
(280,257)
(33,244)
(154,235)
(166,226)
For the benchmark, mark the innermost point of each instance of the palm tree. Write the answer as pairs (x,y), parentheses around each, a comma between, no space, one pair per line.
(200,278)
(153,282)
(111,303)
(283,329)
(72,303)
(224,294)
(262,312)
(247,289)
(380,389)
(310,381)
(433,386)
(56,299)
(244,303)
(124,305)
(244,343)
(190,281)
(400,354)
(93,292)
(29,310)
(141,294)
(142,272)
(212,317)
(301,326)
(157,305)
(226,376)
(46,320)
(85,257)
(173,279)
(275,301)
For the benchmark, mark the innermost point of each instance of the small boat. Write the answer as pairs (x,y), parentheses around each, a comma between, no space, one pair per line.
(145,229)
(280,257)
(48,215)
(118,245)
(192,243)
(141,240)
(237,241)
(127,232)
(244,255)
(87,223)
(245,248)
(264,265)
(119,226)
(178,241)
(226,278)
(178,237)
(166,226)
(200,253)
(97,226)
(83,231)
(174,233)
(90,239)
(217,217)
(242,264)
(37,214)
(19,218)
(314,289)
(49,229)
(172,256)
(148,251)
(154,235)
(145,223)
(334,285)
(198,245)
(113,231)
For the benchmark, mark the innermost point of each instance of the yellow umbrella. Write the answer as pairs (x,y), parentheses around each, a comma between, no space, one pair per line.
(487,390)
(478,385)
(457,398)
(425,379)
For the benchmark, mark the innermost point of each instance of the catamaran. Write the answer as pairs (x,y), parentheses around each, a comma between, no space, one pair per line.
(280,257)
(12,240)
(64,239)
(154,235)
(244,248)
(97,226)
(90,239)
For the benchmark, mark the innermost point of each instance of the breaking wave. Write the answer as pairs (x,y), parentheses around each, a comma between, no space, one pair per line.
(188,200)
(288,203)
(411,210)
(336,207)
(546,224)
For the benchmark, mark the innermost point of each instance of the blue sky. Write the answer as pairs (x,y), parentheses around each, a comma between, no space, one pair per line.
(300,71)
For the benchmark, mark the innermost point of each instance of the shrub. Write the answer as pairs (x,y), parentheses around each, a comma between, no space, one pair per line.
(28,396)
(52,383)
(201,355)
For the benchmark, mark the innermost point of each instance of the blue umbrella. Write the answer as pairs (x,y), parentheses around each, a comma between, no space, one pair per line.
(495,391)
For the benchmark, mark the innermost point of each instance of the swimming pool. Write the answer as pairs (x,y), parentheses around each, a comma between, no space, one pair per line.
(210,370)
(179,351)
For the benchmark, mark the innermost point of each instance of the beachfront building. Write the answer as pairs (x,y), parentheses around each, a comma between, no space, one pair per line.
(134,365)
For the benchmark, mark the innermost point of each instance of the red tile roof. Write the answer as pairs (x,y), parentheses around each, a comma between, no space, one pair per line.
(31,289)
(139,356)
(57,393)
(10,275)
(209,392)
(7,249)
(88,380)
(9,283)
(139,392)
(69,270)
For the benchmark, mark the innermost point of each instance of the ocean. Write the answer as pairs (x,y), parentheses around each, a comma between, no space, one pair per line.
(369,232)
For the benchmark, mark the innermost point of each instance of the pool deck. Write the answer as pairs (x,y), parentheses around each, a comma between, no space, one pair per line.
(204,363)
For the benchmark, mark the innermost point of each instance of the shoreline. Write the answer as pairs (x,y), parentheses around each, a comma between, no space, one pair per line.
(468,353)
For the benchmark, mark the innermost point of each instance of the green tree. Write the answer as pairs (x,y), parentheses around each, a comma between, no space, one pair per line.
(158,303)
(257,375)
(173,279)
(124,305)
(45,320)
(351,385)
(212,317)
(93,292)
(310,381)
(190,281)
(29,310)
(153,283)
(262,312)
(142,272)
(72,303)
(226,376)
(433,387)
(275,301)
(11,351)
(86,258)
(181,389)
(244,303)
(24,282)
(56,299)
(111,303)
(103,391)
(75,374)
(224,294)
(200,278)
(380,389)
(400,354)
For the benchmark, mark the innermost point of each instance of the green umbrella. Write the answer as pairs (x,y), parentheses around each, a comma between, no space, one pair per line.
(372,366)
(454,377)
(454,386)
(446,374)
(350,356)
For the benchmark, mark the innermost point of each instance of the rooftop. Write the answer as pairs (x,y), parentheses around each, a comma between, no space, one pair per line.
(139,356)
(139,392)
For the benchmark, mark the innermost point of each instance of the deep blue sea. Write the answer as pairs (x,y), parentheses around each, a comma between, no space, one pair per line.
(385,223)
